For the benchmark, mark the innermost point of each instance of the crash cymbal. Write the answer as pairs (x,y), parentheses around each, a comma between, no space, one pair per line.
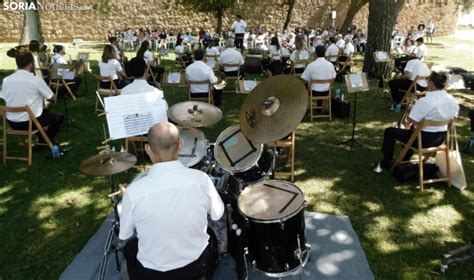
(273,109)
(108,164)
(194,114)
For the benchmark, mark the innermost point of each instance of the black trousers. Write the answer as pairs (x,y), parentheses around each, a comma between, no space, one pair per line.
(118,83)
(216,94)
(319,103)
(428,139)
(54,121)
(396,87)
(239,41)
(200,269)
(234,73)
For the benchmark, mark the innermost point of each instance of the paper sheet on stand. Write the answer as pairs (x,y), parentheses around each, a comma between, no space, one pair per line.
(134,114)
(356,80)
(174,78)
(250,85)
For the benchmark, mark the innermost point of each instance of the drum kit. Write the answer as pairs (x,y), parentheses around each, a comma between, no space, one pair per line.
(268,228)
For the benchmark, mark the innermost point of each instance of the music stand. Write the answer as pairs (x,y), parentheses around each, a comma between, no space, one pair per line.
(68,122)
(384,57)
(355,83)
(174,79)
(83,58)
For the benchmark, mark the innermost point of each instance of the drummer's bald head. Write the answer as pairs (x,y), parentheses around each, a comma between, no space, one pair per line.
(163,142)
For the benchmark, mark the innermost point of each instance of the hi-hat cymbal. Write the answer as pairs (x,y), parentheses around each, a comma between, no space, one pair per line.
(273,109)
(194,114)
(108,164)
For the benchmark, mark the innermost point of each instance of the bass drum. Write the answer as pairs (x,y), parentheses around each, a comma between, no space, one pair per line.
(274,211)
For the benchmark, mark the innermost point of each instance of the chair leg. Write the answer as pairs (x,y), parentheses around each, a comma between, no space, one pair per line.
(5,141)
(330,112)
(448,167)
(30,149)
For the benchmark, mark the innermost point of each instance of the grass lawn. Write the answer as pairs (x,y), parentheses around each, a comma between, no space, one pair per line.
(48,211)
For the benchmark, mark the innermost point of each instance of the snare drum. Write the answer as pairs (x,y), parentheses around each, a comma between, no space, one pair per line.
(194,147)
(234,152)
(274,211)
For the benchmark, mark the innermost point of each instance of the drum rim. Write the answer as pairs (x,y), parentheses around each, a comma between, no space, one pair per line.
(195,161)
(259,147)
(272,221)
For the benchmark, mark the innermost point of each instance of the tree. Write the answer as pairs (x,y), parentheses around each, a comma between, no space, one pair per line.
(354,8)
(216,7)
(31,25)
(382,17)
(291,5)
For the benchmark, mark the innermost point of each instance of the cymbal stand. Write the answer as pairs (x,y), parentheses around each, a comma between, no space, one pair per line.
(110,245)
(273,166)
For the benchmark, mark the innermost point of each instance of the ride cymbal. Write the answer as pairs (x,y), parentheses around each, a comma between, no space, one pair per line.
(273,109)
(194,114)
(107,164)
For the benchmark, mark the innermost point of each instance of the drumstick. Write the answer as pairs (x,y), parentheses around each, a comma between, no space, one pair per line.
(117,192)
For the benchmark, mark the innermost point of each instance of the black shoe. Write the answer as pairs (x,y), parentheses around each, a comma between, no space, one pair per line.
(385,164)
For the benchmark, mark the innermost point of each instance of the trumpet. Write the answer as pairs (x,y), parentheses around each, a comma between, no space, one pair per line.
(221,81)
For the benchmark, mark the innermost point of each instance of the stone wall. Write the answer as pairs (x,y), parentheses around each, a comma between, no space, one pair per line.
(92,25)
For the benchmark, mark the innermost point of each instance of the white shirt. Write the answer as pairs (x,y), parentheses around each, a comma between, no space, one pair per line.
(23,88)
(421,51)
(274,53)
(179,49)
(200,71)
(437,105)
(332,50)
(340,43)
(320,69)
(60,59)
(110,68)
(231,56)
(142,86)
(212,51)
(148,56)
(417,68)
(285,52)
(239,26)
(303,55)
(348,49)
(168,208)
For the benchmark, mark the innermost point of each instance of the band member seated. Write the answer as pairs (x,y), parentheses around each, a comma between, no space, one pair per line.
(346,53)
(167,207)
(231,56)
(68,75)
(110,66)
(24,88)
(200,71)
(419,51)
(436,105)
(118,53)
(320,69)
(182,51)
(273,65)
(398,87)
(300,53)
(332,52)
(145,53)
(213,51)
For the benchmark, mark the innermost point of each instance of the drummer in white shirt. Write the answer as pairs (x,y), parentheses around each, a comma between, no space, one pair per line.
(200,71)
(231,56)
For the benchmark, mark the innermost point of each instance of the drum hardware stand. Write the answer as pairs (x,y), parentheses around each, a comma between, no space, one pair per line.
(462,254)
(114,232)
(273,168)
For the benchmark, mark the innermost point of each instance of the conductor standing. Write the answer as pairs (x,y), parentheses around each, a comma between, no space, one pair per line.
(239,31)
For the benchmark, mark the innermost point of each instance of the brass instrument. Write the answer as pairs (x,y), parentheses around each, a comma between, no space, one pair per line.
(221,81)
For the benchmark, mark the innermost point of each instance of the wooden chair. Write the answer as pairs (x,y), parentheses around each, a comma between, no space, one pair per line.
(180,64)
(288,143)
(56,81)
(425,153)
(305,62)
(133,141)
(154,77)
(326,99)
(235,78)
(344,64)
(411,94)
(25,136)
(209,99)
(104,92)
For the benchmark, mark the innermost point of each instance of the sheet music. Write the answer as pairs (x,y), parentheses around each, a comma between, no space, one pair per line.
(164,52)
(67,75)
(356,80)
(174,78)
(249,85)
(134,114)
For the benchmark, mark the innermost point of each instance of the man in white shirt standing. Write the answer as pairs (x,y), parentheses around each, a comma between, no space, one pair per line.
(414,68)
(167,207)
(436,105)
(239,31)
(22,88)
(320,69)
(231,56)
(200,71)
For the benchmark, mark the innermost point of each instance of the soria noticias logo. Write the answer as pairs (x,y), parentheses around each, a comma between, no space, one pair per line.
(32,6)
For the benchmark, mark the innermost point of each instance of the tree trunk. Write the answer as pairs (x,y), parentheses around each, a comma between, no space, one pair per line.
(354,7)
(31,25)
(291,5)
(219,13)
(382,17)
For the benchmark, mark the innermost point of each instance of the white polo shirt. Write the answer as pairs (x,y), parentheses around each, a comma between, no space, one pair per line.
(421,51)
(148,56)
(60,59)
(303,54)
(231,56)
(348,49)
(23,88)
(332,50)
(436,105)
(274,53)
(212,51)
(110,68)
(179,49)
(200,71)
(417,68)
(340,43)
(320,69)
(168,208)
(239,26)
(142,86)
